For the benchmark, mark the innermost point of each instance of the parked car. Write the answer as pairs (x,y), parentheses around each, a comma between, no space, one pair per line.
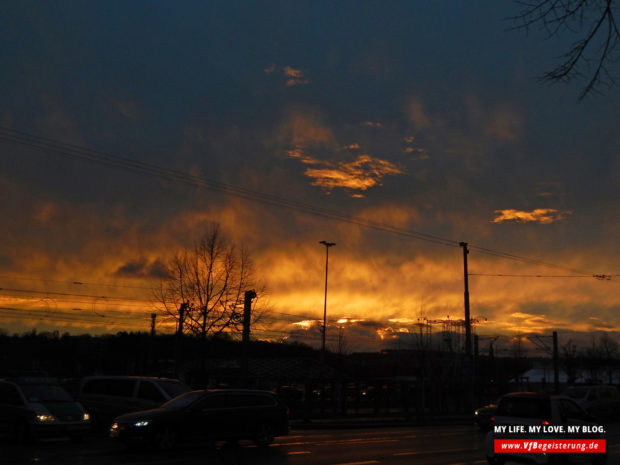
(600,401)
(529,408)
(227,414)
(106,397)
(35,407)
(483,415)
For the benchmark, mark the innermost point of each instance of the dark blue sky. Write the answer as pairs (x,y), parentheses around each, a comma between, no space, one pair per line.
(424,114)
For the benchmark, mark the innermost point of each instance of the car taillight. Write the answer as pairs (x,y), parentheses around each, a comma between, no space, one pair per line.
(288,412)
(492,419)
(545,423)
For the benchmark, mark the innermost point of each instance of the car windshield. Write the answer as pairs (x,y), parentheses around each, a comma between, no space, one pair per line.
(45,393)
(173,388)
(576,392)
(183,400)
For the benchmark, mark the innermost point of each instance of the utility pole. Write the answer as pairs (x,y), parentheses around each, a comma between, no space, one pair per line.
(327,246)
(556,367)
(153,317)
(467,317)
(177,342)
(245,338)
(182,309)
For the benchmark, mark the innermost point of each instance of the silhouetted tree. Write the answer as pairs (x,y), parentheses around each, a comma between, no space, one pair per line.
(594,50)
(570,360)
(609,351)
(210,280)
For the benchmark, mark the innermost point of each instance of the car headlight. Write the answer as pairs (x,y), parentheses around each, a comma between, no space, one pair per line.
(44,418)
(141,423)
(86,416)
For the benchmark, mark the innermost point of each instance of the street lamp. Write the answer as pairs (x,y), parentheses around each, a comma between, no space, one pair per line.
(327,246)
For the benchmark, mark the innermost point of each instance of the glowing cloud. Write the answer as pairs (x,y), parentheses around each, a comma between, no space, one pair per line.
(293,77)
(360,174)
(538,215)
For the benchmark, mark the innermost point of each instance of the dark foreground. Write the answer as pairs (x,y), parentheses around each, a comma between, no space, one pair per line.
(430,445)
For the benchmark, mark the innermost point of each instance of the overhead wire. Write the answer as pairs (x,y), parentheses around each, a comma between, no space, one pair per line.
(108,159)
(101,157)
(67,294)
(79,283)
(90,155)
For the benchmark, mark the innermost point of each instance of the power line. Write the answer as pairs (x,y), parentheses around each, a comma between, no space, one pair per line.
(16,313)
(501,275)
(87,154)
(52,313)
(108,159)
(79,283)
(94,302)
(67,294)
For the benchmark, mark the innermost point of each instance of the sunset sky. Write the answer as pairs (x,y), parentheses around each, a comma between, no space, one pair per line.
(423,117)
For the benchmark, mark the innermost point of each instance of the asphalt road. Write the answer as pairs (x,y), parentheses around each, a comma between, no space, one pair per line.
(431,445)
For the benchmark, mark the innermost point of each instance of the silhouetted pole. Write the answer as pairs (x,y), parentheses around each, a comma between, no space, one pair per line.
(327,246)
(245,338)
(556,367)
(177,342)
(182,309)
(467,317)
(149,354)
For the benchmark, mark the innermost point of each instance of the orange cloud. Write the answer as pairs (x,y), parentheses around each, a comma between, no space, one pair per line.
(391,278)
(292,76)
(538,215)
(360,174)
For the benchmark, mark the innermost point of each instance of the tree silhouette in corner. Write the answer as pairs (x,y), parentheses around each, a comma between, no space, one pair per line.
(591,55)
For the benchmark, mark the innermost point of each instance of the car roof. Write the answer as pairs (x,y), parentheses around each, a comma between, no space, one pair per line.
(240,391)
(29,380)
(535,395)
(153,378)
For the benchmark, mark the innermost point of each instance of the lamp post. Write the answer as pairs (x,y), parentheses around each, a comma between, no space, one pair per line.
(327,246)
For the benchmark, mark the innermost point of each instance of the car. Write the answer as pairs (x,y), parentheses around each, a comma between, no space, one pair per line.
(226,414)
(483,415)
(37,407)
(536,409)
(106,397)
(600,401)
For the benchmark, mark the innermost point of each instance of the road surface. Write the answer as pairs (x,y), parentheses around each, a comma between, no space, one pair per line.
(431,445)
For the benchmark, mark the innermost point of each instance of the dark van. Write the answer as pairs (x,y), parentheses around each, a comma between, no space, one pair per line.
(106,397)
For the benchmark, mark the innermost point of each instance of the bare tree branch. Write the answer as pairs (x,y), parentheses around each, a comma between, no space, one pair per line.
(211,280)
(590,56)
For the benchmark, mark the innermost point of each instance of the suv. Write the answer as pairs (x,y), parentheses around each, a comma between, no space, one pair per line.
(208,415)
(534,409)
(106,397)
(599,401)
(33,407)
